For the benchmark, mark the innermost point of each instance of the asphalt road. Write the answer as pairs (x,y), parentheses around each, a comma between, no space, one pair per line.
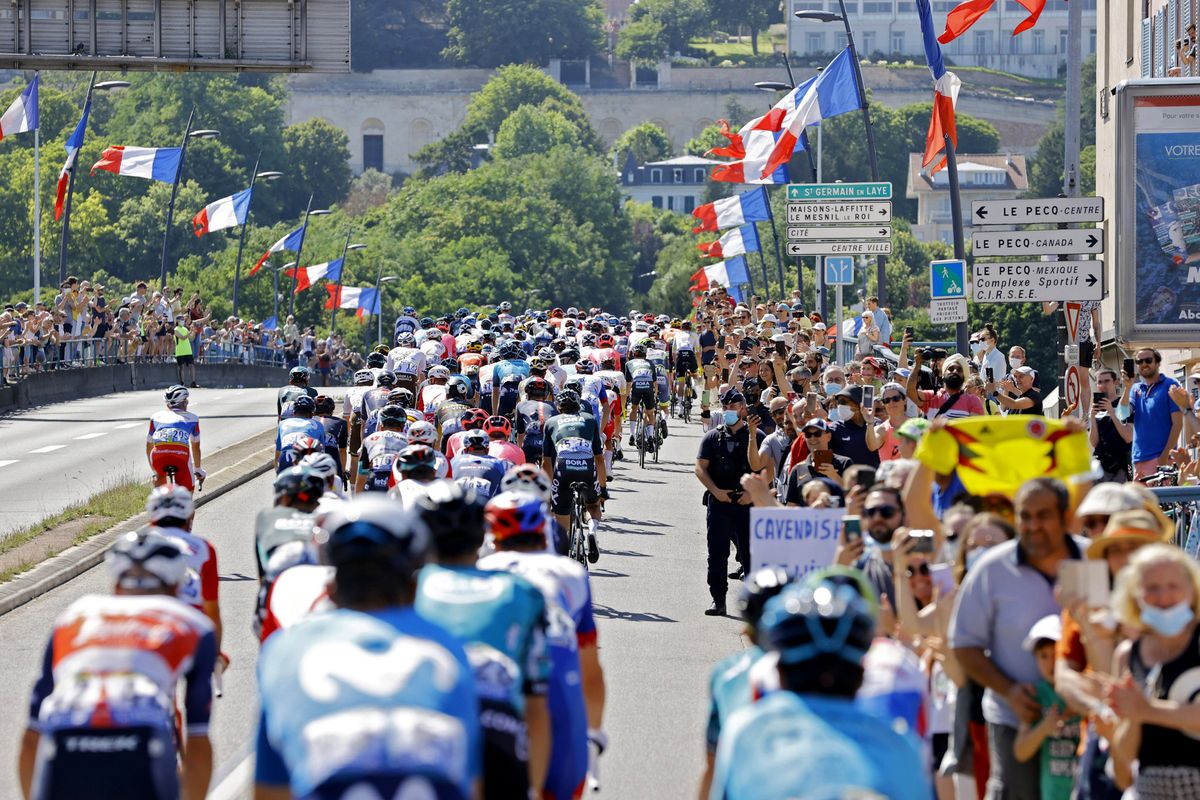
(656,645)
(53,456)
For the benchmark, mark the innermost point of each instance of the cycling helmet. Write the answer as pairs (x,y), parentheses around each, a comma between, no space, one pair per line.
(457,388)
(322,465)
(826,615)
(637,351)
(527,478)
(759,587)
(498,425)
(589,340)
(584,367)
(300,482)
(158,555)
(426,323)
(305,445)
(406,340)
(374,530)
(450,364)
(473,419)
(572,312)
(382,349)
(409,311)
(392,414)
(364,377)
(324,404)
(474,346)
(438,373)
(548,354)
(386,379)
(422,432)
(568,356)
(454,515)
(605,340)
(505,307)
(675,322)
(304,403)
(416,456)
(655,331)
(170,502)
(537,387)
(510,514)
(475,441)
(537,362)
(663,319)
(568,399)
(461,312)
(301,373)
(401,397)
(376,360)
(176,396)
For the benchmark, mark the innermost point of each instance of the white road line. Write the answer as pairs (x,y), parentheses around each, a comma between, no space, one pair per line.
(234,784)
(96,435)
(6,462)
(50,448)
(125,425)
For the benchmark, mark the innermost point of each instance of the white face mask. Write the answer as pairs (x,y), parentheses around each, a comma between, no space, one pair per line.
(845,413)
(1015,361)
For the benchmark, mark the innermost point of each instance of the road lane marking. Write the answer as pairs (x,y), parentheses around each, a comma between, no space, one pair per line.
(6,462)
(96,435)
(50,448)
(129,425)
(235,782)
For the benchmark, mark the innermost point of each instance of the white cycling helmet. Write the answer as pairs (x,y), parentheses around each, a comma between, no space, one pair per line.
(176,396)
(364,377)
(527,478)
(322,464)
(153,552)
(422,432)
(439,373)
(170,502)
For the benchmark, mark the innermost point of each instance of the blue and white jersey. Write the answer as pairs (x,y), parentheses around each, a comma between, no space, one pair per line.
(379,699)
(293,429)
(483,472)
(504,369)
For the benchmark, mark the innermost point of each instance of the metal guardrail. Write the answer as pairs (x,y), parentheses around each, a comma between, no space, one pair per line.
(1182,505)
(25,359)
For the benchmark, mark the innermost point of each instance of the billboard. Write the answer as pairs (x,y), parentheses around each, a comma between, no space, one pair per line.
(1157,212)
(176,35)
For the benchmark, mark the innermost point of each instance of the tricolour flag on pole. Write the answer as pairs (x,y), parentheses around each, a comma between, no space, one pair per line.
(945,93)
(967,13)
(22,115)
(729,273)
(364,299)
(833,92)
(751,206)
(754,142)
(307,276)
(152,163)
(224,213)
(290,242)
(740,240)
(74,145)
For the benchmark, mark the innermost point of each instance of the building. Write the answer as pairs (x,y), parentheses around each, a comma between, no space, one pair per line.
(980,177)
(676,184)
(891,27)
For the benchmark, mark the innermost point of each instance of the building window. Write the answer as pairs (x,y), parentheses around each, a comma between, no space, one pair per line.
(656,176)
(656,201)
(689,203)
(1014,44)
(1091,42)
(677,175)
(670,202)
(897,41)
(868,42)
(1039,41)
(814,42)
(1062,42)
(840,41)
(373,151)
(877,7)
(699,175)
(983,42)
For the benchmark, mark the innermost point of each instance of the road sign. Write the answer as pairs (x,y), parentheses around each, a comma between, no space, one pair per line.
(1037,281)
(1073,384)
(881,248)
(1038,243)
(835,213)
(1045,211)
(948,279)
(839,271)
(839,191)
(845,232)
(1073,312)
(948,311)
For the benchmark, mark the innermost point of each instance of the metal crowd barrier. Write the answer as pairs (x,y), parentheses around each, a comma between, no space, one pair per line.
(20,360)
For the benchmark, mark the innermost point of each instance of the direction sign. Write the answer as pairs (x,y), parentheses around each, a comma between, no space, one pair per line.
(851,232)
(835,213)
(881,248)
(1037,281)
(839,191)
(948,279)
(1038,243)
(1034,211)
(948,312)
(839,271)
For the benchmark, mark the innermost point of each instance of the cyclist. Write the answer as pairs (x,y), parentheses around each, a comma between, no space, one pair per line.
(406,322)
(517,524)
(364,381)
(450,409)
(573,453)
(469,421)
(433,391)
(642,375)
(475,467)
(684,343)
(532,415)
(783,745)
(336,434)
(501,619)
(298,491)
(499,429)
(530,478)
(293,430)
(407,362)
(414,474)
(105,699)
(421,432)
(173,441)
(380,449)
(324,467)
(297,386)
(368,699)
(656,354)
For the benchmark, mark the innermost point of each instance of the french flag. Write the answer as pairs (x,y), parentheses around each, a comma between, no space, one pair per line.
(729,273)
(752,145)
(364,299)
(965,14)
(945,93)
(307,276)
(833,92)
(224,213)
(290,242)
(152,163)
(740,240)
(74,145)
(22,115)
(751,206)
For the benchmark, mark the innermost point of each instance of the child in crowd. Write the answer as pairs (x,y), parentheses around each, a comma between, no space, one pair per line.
(1055,737)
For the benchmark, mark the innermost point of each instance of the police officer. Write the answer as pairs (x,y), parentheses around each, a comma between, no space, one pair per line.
(722,461)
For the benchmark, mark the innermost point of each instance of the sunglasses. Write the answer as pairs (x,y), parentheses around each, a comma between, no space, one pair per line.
(1146,360)
(814,434)
(920,569)
(881,511)
(894,399)
(777,413)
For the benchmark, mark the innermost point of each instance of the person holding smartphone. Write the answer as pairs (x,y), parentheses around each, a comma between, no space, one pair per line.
(821,462)
(1111,438)
(1147,404)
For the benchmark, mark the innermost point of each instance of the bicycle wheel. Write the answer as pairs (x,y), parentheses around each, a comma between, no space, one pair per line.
(641,443)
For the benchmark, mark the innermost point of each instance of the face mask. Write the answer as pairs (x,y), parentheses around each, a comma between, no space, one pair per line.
(1167,621)
(730,418)
(953,382)
(1015,362)
(845,413)
(798,388)
(976,347)
(833,388)
(974,556)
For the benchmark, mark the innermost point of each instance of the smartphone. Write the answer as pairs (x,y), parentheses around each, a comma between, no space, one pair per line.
(851,529)
(924,541)
(1097,398)
(868,394)
(811,401)
(865,477)
(781,349)
(820,457)
(908,330)
(790,397)
(1127,367)
(991,375)
(942,576)
(1086,579)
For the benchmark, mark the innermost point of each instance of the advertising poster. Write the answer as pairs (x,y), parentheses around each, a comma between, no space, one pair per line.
(801,540)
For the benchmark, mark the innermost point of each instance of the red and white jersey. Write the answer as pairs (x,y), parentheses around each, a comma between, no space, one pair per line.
(173,427)
(200,585)
(454,444)
(297,592)
(506,451)
(602,354)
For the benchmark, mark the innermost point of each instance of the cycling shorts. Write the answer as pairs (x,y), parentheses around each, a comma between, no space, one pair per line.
(505,752)
(107,764)
(685,363)
(178,456)
(404,381)
(664,389)
(377,480)
(568,471)
(641,396)
(427,787)
(533,452)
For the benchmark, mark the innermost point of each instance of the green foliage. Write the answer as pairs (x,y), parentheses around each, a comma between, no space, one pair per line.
(320,153)
(643,41)
(1046,167)
(367,191)
(754,14)
(676,21)
(708,138)
(647,142)
(391,34)
(530,130)
(489,33)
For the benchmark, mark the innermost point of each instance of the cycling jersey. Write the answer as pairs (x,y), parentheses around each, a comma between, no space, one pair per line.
(379,451)
(602,354)
(294,594)
(507,452)
(335,438)
(572,444)
(371,423)
(201,580)
(278,526)
(531,423)
(430,395)
(408,491)
(291,430)
(501,620)
(508,396)
(353,399)
(405,324)
(783,746)
(483,472)
(407,361)
(441,468)
(729,690)
(287,395)
(383,701)
(449,412)
(171,436)
(372,400)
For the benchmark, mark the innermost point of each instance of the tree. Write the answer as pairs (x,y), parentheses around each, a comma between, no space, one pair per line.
(390,34)
(706,140)
(754,14)
(1046,169)
(530,130)
(487,33)
(647,142)
(318,155)
(681,20)
(369,190)
(642,41)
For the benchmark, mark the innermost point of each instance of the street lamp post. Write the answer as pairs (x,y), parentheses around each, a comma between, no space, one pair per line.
(275,274)
(380,279)
(308,212)
(255,175)
(65,239)
(188,135)
(844,18)
(778,86)
(337,298)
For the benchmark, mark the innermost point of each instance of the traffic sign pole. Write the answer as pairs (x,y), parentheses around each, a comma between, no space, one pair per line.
(960,250)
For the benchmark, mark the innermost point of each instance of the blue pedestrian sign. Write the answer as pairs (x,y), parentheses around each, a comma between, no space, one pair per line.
(947,279)
(839,270)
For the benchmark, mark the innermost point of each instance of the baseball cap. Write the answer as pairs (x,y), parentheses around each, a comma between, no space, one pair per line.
(854,393)
(818,423)
(1048,627)
(769,318)
(820,326)
(1030,371)
(732,397)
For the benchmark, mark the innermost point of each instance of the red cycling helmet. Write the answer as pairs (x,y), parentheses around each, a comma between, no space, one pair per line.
(473,419)
(511,514)
(305,445)
(606,340)
(499,425)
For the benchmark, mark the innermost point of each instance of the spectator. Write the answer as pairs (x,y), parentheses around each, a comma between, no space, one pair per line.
(986,355)
(882,517)
(1110,437)
(820,463)
(1016,357)
(882,321)
(1053,740)
(1018,394)
(772,456)
(868,336)
(849,431)
(950,400)
(1156,418)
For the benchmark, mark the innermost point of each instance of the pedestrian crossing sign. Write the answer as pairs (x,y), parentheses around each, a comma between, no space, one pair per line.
(948,279)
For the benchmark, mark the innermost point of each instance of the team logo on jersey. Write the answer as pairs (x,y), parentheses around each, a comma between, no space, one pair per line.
(327,666)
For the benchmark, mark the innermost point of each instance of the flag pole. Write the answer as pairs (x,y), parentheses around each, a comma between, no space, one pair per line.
(166,248)
(237,270)
(299,251)
(337,298)
(66,220)
(960,249)
(37,215)
(778,256)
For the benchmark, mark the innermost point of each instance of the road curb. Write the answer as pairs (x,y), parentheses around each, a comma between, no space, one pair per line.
(78,559)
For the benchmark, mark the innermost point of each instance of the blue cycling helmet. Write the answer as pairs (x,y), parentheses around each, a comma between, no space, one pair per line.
(375,529)
(759,587)
(826,615)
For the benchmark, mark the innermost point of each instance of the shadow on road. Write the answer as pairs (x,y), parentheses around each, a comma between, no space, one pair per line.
(601,572)
(629,616)
(628,553)
(627,521)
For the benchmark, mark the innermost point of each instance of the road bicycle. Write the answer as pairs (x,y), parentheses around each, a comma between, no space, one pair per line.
(577,549)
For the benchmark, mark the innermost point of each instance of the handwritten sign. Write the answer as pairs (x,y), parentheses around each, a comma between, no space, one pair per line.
(801,540)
